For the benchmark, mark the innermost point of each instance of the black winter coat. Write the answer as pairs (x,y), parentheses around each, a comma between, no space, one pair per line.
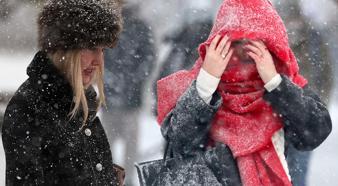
(42,146)
(307,124)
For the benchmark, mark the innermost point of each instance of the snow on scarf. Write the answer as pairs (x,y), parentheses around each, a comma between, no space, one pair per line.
(245,122)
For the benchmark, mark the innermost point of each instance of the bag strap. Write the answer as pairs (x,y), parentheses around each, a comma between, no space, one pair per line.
(167,152)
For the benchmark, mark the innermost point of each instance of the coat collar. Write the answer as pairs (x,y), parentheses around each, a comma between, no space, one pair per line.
(50,83)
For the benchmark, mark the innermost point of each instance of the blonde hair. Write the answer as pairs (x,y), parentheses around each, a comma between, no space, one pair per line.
(69,63)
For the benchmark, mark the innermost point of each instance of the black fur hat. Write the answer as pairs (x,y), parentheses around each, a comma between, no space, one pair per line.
(78,24)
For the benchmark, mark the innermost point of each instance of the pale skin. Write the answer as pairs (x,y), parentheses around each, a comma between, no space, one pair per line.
(218,56)
(91,61)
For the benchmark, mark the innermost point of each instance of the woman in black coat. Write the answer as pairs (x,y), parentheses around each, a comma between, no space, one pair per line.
(51,134)
(242,104)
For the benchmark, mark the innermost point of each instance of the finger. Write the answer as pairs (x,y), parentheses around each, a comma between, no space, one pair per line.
(228,56)
(226,48)
(222,44)
(260,45)
(254,56)
(254,49)
(264,47)
(214,42)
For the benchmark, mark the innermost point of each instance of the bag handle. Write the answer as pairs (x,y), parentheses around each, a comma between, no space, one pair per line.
(167,152)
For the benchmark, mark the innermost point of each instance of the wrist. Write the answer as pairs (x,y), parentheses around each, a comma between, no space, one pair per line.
(211,71)
(206,85)
(269,77)
(273,83)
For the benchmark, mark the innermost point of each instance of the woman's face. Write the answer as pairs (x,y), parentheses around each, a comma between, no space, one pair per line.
(240,64)
(91,62)
(240,54)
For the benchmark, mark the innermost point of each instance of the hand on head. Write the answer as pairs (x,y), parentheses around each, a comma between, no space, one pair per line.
(217,56)
(263,59)
(220,51)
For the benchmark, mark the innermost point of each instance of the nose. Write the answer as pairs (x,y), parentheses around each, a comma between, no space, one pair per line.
(97,61)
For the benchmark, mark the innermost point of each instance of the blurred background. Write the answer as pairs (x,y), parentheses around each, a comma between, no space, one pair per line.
(161,37)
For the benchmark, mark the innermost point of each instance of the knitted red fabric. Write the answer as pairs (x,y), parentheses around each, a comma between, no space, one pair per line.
(245,122)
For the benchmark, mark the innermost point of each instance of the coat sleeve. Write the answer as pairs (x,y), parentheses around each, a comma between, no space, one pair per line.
(186,127)
(22,145)
(307,122)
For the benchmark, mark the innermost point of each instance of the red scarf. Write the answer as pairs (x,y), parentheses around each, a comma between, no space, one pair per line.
(245,122)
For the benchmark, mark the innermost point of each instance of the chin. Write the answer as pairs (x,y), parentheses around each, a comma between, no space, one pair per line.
(86,83)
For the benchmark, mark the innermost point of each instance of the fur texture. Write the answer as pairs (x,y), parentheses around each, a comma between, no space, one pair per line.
(78,24)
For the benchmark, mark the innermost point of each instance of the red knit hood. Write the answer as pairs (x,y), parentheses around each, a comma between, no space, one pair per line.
(239,19)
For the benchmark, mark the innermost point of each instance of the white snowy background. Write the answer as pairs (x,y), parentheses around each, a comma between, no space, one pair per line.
(18,46)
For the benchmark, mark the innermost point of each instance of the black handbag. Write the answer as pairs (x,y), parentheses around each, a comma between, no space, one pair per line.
(202,168)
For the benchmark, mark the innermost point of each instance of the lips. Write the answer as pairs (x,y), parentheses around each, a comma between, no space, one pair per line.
(89,71)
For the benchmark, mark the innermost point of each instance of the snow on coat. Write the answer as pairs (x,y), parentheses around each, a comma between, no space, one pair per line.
(42,146)
(242,19)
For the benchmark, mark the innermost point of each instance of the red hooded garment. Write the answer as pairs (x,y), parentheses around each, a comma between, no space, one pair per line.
(244,122)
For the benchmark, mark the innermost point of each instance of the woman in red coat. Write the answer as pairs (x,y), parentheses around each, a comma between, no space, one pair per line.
(245,92)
